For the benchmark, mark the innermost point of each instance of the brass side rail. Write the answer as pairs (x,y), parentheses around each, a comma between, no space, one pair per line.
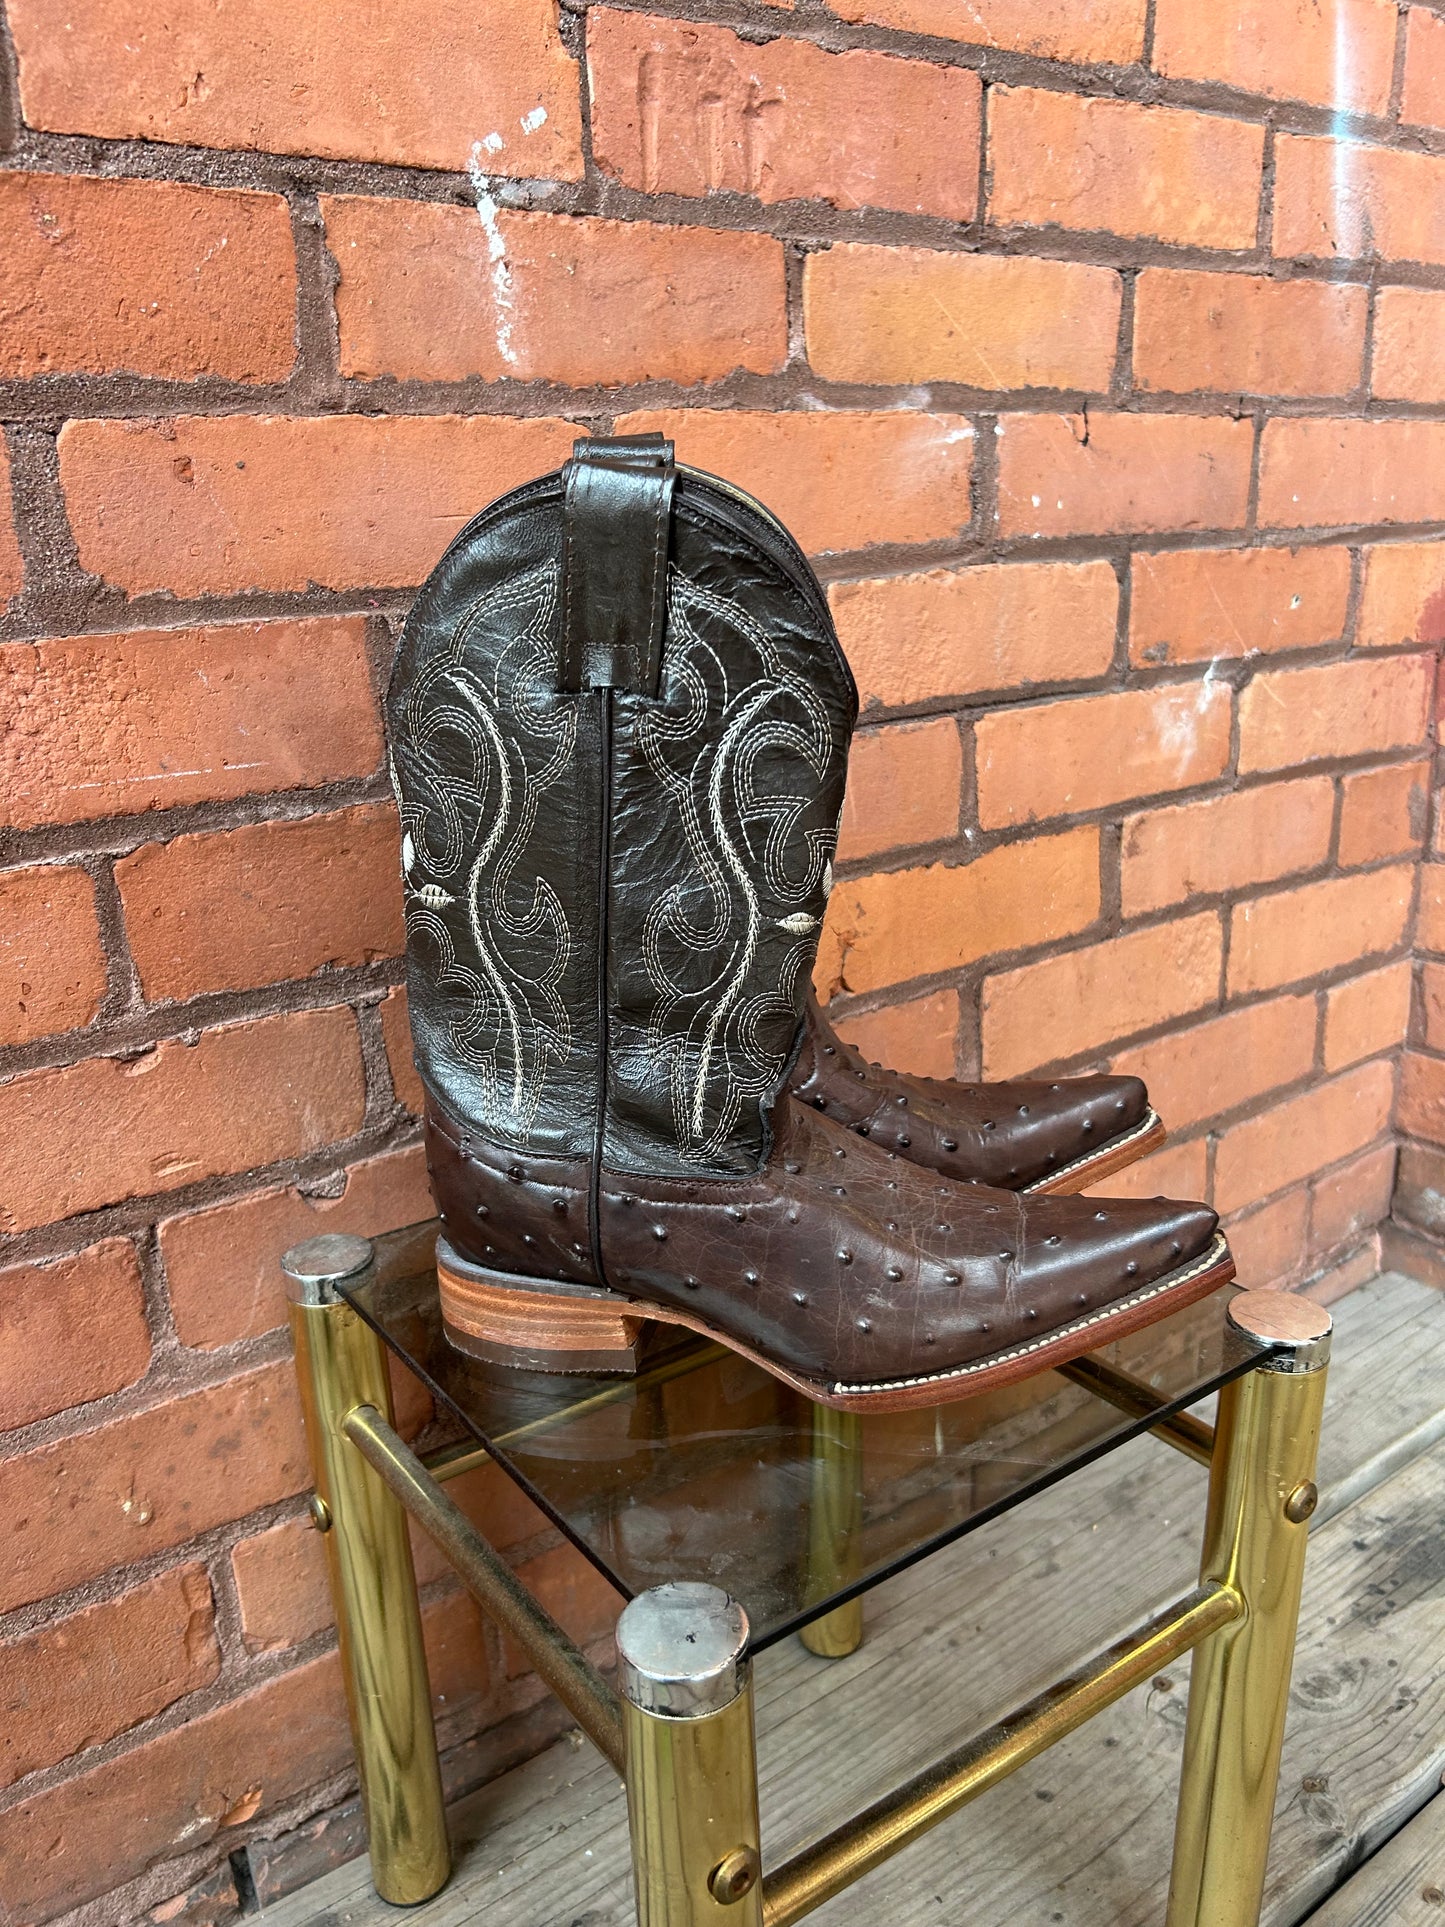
(833,1863)
(491,1581)
(1186,1434)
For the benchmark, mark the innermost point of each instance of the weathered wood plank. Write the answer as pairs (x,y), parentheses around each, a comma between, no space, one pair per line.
(1083,1835)
(1365,1748)
(1402,1886)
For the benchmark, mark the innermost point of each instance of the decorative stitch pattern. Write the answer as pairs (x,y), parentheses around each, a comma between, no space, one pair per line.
(741,751)
(495,929)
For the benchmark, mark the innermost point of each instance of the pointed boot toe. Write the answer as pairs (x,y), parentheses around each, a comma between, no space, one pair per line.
(1086,1257)
(1095,1126)
(1034,1135)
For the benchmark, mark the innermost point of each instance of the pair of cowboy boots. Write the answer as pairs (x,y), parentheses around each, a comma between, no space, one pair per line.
(619,730)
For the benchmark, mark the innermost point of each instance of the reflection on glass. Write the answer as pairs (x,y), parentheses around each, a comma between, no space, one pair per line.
(704,1467)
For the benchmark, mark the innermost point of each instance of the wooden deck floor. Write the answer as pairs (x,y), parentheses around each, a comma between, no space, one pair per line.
(1082,1836)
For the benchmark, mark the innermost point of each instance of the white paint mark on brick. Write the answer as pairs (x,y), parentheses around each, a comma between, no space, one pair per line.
(501,275)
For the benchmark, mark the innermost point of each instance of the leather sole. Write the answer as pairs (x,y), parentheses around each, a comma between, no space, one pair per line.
(539,1325)
(1146,1136)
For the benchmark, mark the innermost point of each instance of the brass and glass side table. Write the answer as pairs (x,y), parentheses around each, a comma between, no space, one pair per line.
(701,1469)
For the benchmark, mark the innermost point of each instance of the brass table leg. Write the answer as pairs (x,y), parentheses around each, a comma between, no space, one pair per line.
(692,1786)
(835,1517)
(1261,1495)
(340,1365)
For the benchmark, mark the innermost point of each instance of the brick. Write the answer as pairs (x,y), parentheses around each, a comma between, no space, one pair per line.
(1086,752)
(427,292)
(1408,363)
(1290,716)
(419,85)
(1345,200)
(77,1681)
(280,1574)
(260,905)
(1242,334)
(1404,595)
(396,1032)
(214,1894)
(12,570)
(459,1644)
(882,930)
(1351,1201)
(1298,934)
(1198,605)
(281,1586)
(839,481)
(245,1094)
(1423,100)
(679,108)
(903,787)
(1367,1015)
(572,1589)
(288,1590)
(916,1037)
(223,1262)
(1284,49)
(1212,1068)
(986,321)
(1319,470)
(71,1330)
(146,278)
(52,967)
(1062,475)
(176,1792)
(1107,30)
(1271,1245)
(1420,1188)
(961,632)
(141,1484)
(1177,1171)
(154,719)
(1301,1136)
(1421,1110)
(1063,1006)
(1418,1201)
(1225,843)
(1383,813)
(1432,986)
(214,505)
(1430,929)
(1093,163)
(1360,1268)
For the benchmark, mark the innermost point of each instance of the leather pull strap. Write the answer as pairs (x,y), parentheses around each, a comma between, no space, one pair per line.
(618,503)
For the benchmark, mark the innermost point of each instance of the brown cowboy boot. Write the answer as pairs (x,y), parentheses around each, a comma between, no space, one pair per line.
(619,725)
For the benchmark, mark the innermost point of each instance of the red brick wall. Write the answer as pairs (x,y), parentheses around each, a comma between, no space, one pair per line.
(1105,380)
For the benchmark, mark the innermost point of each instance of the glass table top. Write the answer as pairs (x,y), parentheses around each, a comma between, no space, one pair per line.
(701,1466)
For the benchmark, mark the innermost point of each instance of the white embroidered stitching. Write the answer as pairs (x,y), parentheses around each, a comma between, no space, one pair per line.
(510,1025)
(705,746)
